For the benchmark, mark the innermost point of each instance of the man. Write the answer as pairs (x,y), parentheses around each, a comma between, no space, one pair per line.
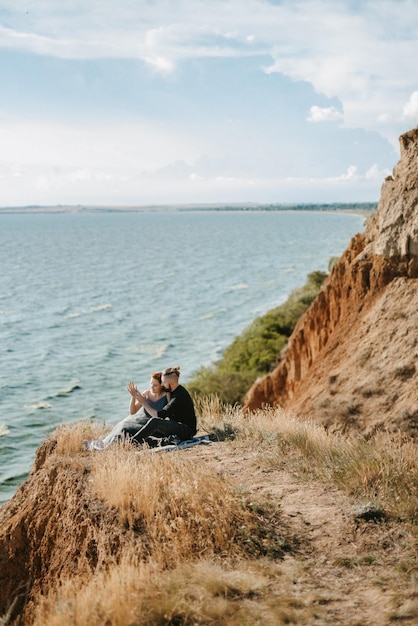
(177,418)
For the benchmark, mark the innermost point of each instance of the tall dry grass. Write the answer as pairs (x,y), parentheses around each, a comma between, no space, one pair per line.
(195,564)
(194,593)
(382,469)
(181,509)
(69,437)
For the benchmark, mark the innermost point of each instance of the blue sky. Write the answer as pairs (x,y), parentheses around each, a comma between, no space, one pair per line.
(203,101)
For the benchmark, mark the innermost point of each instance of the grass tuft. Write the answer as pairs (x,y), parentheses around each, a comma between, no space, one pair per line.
(180,509)
(137,594)
(381,470)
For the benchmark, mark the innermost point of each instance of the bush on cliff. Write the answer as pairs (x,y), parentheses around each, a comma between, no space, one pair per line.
(255,352)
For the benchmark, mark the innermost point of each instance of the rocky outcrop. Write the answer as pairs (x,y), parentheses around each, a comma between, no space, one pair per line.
(351,360)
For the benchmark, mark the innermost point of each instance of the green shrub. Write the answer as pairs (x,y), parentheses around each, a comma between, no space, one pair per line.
(255,352)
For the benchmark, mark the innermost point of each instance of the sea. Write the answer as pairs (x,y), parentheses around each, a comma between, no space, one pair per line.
(92,300)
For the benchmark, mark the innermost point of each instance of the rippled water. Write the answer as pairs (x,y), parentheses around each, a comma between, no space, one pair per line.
(89,301)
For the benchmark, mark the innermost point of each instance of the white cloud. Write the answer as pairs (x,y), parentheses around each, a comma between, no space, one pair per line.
(376,173)
(359,59)
(410,109)
(351,173)
(324,114)
(159,33)
(161,64)
(362,57)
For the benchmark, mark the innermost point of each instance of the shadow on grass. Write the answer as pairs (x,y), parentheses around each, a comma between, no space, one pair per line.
(228,432)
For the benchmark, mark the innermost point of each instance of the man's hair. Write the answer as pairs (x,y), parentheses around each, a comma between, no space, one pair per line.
(170,371)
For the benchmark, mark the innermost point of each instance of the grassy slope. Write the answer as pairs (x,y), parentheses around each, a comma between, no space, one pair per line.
(266,525)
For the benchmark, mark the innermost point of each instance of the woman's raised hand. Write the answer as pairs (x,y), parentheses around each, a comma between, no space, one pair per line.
(132,388)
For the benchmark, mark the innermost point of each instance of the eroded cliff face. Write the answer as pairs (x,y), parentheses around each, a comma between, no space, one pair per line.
(351,360)
(52,528)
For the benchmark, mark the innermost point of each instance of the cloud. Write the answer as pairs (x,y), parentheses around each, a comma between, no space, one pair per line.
(376,173)
(324,114)
(229,79)
(351,173)
(359,54)
(410,109)
(159,33)
(362,58)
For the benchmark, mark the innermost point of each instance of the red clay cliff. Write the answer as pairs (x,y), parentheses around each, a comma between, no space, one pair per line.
(351,360)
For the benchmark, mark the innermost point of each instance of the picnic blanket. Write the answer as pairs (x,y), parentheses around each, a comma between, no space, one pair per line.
(181,445)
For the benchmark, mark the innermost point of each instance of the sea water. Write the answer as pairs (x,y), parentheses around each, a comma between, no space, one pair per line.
(90,301)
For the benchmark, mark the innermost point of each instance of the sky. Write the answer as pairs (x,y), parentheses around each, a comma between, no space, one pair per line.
(151,102)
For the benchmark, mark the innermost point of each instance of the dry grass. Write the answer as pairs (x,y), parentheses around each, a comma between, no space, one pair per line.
(181,509)
(69,437)
(382,469)
(195,593)
(200,540)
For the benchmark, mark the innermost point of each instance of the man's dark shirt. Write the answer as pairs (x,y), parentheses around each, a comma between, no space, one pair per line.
(180,409)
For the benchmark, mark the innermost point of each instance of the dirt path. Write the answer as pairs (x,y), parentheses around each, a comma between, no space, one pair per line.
(343,567)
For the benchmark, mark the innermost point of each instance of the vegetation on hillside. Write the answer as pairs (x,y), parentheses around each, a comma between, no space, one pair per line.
(255,352)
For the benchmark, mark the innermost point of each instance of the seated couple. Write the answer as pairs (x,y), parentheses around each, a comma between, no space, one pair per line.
(163,410)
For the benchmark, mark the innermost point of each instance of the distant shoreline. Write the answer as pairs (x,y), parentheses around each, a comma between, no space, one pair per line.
(365,209)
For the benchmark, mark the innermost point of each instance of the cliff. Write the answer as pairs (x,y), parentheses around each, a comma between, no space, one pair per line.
(51,528)
(351,360)
(230,533)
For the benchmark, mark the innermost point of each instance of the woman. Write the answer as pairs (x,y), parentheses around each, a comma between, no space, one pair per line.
(156,397)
